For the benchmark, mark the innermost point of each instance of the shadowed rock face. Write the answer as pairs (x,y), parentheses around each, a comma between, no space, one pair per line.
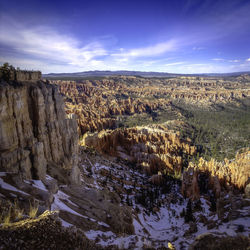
(35,135)
(154,148)
(217,175)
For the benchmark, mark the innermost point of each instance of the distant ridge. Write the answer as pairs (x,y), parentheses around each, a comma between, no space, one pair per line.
(97,73)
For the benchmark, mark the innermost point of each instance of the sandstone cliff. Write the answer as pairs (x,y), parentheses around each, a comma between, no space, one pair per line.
(217,176)
(35,136)
(9,73)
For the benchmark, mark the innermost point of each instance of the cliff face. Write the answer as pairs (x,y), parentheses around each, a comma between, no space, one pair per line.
(217,176)
(35,135)
(153,148)
(12,74)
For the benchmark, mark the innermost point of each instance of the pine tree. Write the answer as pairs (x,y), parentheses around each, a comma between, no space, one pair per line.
(213,203)
(189,212)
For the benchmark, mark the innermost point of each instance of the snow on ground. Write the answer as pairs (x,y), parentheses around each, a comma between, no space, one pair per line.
(39,184)
(49,178)
(109,238)
(7,186)
(58,203)
(94,176)
(99,167)
(102,224)
(65,223)
(153,228)
(157,229)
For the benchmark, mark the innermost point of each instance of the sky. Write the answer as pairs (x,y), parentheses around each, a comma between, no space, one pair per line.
(177,36)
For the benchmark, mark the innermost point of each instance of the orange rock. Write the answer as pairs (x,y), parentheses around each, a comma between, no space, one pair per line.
(143,145)
(221,175)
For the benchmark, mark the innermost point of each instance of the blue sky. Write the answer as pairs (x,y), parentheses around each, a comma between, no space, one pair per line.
(181,36)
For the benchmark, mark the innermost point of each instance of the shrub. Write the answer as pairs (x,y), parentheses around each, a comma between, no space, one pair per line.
(6,219)
(33,209)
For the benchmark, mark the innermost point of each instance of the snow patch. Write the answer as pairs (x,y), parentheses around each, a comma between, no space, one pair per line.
(7,186)
(58,204)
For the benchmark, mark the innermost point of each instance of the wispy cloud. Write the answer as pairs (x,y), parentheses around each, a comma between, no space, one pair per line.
(45,44)
(234,61)
(218,59)
(191,68)
(226,60)
(150,51)
(38,46)
(45,48)
(198,48)
(173,64)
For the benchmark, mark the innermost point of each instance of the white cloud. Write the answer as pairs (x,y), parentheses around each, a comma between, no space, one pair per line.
(46,49)
(234,61)
(198,48)
(225,60)
(50,51)
(45,44)
(218,59)
(199,68)
(150,51)
(173,64)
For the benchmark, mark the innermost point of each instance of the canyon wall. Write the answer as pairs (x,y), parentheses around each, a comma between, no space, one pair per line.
(36,138)
(217,176)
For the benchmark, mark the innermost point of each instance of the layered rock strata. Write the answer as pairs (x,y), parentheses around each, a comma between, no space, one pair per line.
(35,135)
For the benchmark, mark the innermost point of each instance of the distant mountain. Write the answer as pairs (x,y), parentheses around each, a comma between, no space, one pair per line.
(111,73)
(98,73)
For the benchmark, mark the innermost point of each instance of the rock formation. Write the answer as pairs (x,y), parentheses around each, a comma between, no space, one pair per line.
(9,73)
(99,104)
(216,175)
(153,148)
(35,135)
(44,232)
(209,241)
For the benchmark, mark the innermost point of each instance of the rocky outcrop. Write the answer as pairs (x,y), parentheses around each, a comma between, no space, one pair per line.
(217,176)
(21,75)
(210,241)
(154,148)
(35,135)
(44,232)
(9,73)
